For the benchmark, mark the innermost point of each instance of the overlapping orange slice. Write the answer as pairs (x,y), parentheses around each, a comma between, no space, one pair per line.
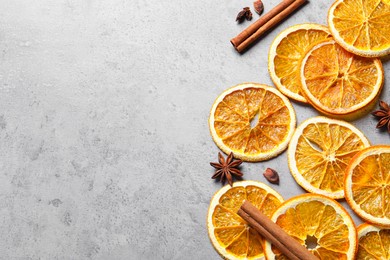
(230,235)
(319,223)
(338,83)
(361,26)
(367,184)
(286,53)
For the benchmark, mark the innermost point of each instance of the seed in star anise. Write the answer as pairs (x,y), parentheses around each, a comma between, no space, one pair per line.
(271,175)
(259,7)
(226,168)
(245,13)
(384,115)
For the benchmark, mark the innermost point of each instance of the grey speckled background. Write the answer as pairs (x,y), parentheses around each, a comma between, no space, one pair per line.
(104,142)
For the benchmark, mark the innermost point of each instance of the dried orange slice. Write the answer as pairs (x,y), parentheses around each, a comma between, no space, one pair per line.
(319,153)
(253,121)
(374,242)
(229,233)
(361,27)
(319,223)
(286,52)
(367,184)
(338,83)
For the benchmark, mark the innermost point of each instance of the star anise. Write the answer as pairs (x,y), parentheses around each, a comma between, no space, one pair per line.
(384,115)
(226,168)
(245,13)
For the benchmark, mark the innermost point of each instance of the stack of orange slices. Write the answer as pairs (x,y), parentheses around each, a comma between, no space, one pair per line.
(338,83)
(337,70)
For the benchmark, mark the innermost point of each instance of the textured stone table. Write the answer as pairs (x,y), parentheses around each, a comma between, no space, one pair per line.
(104,141)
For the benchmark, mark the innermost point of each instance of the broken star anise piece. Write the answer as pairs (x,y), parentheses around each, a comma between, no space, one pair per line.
(245,13)
(384,115)
(226,168)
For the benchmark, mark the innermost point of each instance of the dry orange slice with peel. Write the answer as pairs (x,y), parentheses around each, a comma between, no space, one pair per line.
(229,233)
(338,83)
(374,242)
(286,52)
(319,223)
(319,153)
(254,121)
(367,184)
(361,27)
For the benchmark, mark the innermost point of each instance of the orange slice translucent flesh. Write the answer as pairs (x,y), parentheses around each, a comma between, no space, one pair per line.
(289,52)
(374,245)
(321,221)
(234,114)
(239,246)
(338,79)
(223,217)
(323,153)
(255,247)
(371,185)
(363,24)
(231,230)
(225,235)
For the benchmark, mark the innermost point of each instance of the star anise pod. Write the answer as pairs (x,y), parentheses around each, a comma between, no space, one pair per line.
(384,115)
(226,168)
(245,13)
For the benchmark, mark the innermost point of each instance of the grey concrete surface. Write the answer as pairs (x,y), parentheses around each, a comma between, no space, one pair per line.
(104,142)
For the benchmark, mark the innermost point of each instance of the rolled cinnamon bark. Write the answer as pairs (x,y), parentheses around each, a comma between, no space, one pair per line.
(265,23)
(260,22)
(273,233)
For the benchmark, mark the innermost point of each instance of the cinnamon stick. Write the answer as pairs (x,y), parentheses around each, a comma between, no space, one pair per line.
(273,233)
(262,20)
(265,23)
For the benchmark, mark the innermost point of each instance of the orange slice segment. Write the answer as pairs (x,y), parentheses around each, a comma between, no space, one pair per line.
(319,223)
(338,83)
(286,52)
(361,27)
(374,242)
(367,184)
(253,121)
(229,233)
(319,153)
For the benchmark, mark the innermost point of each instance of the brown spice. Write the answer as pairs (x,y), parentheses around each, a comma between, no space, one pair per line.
(289,246)
(271,175)
(245,13)
(265,23)
(384,115)
(226,168)
(258,6)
